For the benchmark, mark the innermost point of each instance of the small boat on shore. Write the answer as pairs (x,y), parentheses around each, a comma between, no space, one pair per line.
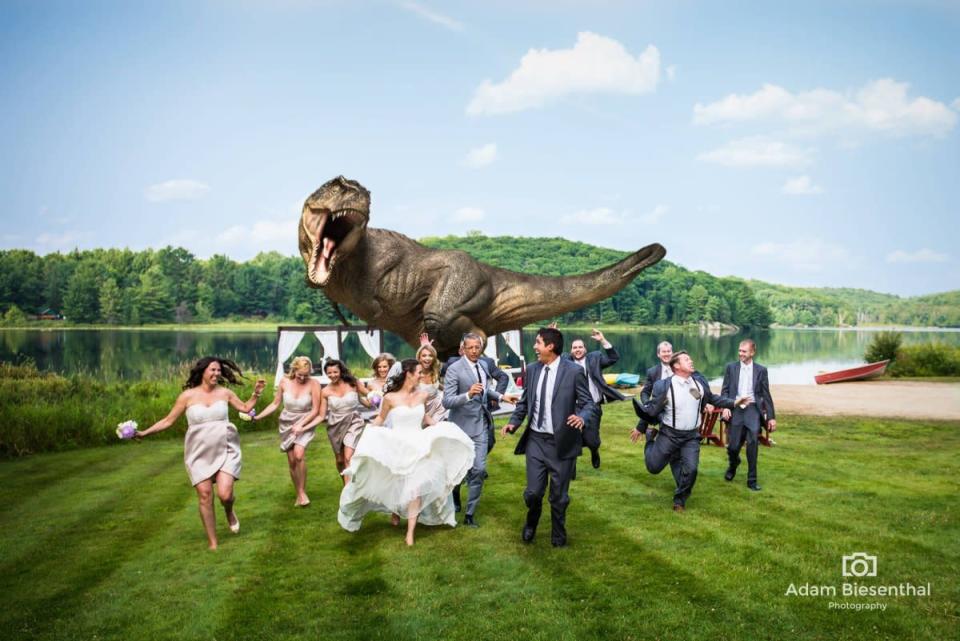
(859,373)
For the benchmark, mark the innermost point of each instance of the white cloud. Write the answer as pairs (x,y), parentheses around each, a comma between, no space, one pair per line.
(956,104)
(180,189)
(801,186)
(608,216)
(758,151)
(481,156)
(263,235)
(64,241)
(920,256)
(594,64)
(653,217)
(879,106)
(808,255)
(672,73)
(468,215)
(432,16)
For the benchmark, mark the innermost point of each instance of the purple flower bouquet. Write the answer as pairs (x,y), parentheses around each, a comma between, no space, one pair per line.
(247,416)
(375,399)
(126,430)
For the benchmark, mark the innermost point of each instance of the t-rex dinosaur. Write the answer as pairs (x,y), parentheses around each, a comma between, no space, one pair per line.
(395,283)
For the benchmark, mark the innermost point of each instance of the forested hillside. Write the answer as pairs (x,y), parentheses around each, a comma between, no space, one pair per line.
(121,286)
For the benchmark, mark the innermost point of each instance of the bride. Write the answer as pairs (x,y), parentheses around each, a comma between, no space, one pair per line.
(405,469)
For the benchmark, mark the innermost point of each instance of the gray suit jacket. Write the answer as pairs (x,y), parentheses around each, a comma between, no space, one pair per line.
(470,414)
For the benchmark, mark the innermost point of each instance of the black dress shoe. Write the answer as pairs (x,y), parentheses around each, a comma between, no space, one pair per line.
(753,486)
(559,543)
(469,521)
(678,508)
(595,458)
(527,534)
(730,474)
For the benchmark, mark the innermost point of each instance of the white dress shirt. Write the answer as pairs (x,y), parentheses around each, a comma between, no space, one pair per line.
(745,384)
(550,371)
(688,407)
(665,371)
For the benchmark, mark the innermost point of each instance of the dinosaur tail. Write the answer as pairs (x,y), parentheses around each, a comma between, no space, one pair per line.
(522,298)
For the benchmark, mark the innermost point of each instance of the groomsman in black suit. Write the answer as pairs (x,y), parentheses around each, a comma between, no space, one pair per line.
(556,398)
(656,373)
(593,363)
(679,402)
(747,378)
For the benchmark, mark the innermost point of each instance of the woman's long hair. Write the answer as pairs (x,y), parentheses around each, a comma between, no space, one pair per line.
(434,370)
(407,366)
(386,356)
(228,370)
(345,375)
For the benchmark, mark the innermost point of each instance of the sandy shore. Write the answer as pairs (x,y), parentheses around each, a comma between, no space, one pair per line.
(910,399)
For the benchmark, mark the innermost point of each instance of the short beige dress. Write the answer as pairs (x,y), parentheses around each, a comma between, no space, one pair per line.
(344,422)
(434,405)
(295,409)
(212,443)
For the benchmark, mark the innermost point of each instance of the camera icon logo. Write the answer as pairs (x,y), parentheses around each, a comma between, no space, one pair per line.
(859,564)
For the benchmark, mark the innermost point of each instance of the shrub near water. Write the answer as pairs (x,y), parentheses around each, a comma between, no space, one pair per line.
(883,347)
(42,412)
(928,359)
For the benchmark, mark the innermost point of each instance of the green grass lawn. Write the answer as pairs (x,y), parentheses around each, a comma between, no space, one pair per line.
(105,543)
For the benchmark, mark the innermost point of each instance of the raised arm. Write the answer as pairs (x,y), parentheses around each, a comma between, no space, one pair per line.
(274,404)
(179,407)
(609,355)
(240,406)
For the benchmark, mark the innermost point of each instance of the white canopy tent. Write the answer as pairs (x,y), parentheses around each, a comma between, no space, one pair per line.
(330,338)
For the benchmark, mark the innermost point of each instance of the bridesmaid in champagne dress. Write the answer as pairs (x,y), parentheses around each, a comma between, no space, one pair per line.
(340,405)
(300,395)
(430,382)
(211,448)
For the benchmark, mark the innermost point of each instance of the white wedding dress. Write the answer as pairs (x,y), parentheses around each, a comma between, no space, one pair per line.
(392,466)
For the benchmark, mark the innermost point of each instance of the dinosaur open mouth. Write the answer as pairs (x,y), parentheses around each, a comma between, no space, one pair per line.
(335,228)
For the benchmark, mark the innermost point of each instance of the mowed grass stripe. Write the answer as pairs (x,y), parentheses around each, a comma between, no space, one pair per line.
(634,569)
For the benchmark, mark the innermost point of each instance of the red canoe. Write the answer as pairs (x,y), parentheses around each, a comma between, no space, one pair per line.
(853,374)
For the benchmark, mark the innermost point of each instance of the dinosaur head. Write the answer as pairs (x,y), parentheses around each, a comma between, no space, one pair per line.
(333,221)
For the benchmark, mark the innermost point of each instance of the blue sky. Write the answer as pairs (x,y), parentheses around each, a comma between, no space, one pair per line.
(806,145)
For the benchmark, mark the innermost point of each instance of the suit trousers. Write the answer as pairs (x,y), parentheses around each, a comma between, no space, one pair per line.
(477,473)
(745,427)
(679,448)
(543,464)
(591,429)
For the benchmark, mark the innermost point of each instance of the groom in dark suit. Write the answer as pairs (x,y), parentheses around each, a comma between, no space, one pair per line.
(747,378)
(593,363)
(557,400)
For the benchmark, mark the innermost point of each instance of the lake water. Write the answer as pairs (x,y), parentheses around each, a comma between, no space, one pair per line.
(793,356)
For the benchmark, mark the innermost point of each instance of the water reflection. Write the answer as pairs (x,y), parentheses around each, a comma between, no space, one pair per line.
(793,356)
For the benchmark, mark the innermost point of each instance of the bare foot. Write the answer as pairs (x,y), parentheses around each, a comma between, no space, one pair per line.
(394,520)
(409,539)
(212,546)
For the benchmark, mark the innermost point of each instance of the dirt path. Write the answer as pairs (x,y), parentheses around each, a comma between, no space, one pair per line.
(911,399)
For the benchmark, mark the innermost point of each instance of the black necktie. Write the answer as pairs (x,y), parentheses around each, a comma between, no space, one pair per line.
(483,395)
(542,398)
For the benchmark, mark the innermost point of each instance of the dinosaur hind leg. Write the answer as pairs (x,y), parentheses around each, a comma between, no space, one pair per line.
(448,330)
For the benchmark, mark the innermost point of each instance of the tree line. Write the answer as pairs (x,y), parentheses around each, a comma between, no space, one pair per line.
(171,285)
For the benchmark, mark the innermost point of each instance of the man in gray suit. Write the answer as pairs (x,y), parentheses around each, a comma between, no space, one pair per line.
(557,400)
(746,378)
(466,395)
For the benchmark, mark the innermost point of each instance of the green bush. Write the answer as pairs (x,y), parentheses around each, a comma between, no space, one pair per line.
(928,359)
(883,347)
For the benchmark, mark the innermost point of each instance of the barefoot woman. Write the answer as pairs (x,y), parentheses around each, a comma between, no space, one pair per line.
(211,448)
(300,395)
